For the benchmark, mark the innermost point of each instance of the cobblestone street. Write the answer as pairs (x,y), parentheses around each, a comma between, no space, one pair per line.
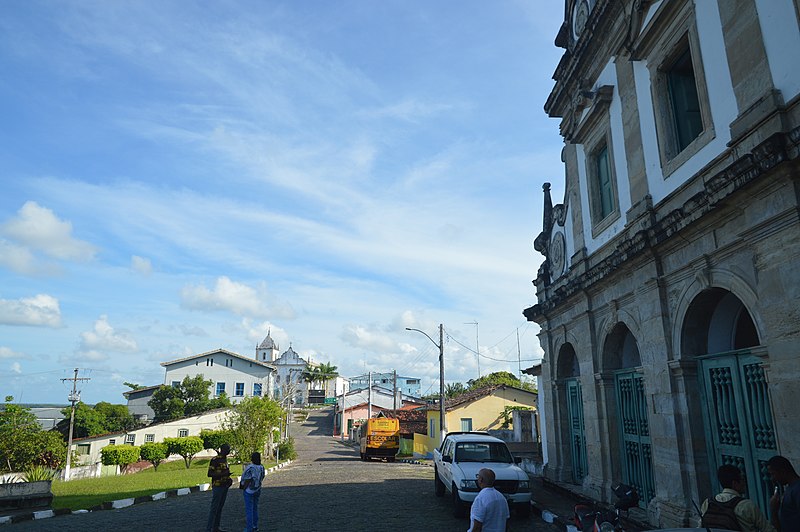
(327,489)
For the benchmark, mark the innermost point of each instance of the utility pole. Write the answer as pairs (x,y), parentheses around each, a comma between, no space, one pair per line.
(73,397)
(369,395)
(394,380)
(440,345)
(519,359)
(442,421)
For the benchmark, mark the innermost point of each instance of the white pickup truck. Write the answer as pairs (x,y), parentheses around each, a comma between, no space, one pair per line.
(460,457)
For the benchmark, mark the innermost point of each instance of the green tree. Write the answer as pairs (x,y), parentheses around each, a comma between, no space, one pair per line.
(251,423)
(23,443)
(133,386)
(121,455)
(167,404)
(155,453)
(498,378)
(311,375)
(116,418)
(221,401)
(194,392)
(98,419)
(88,422)
(454,389)
(327,372)
(187,447)
(189,398)
(51,450)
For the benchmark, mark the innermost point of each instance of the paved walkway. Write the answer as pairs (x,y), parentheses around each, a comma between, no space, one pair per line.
(327,489)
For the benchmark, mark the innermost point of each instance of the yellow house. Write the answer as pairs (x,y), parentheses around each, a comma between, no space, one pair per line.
(480,409)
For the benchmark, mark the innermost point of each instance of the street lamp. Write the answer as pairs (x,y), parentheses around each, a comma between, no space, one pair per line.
(440,346)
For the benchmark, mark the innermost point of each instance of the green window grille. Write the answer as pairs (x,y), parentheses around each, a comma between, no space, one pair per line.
(637,466)
(738,419)
(577,434)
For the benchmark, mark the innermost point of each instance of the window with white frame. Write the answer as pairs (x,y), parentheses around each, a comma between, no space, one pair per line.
(112,441)
(594,133)
(239,390)
(149,438)
(130,439)
(603,196)
(83,449)
(466,424)
(175,384)
(220,388)
(678,85)
(432,429)
(182,433)
(257,389)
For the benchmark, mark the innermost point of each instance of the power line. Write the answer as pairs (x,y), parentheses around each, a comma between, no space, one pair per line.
(491,358)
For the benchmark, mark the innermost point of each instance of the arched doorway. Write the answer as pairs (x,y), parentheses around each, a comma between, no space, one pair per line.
(621,356)
(734,397)
(568,372)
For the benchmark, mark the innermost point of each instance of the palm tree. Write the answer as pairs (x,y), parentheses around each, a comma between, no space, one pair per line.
(327,372)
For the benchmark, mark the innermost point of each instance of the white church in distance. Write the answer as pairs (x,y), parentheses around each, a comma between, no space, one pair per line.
(267,374)
(289,366)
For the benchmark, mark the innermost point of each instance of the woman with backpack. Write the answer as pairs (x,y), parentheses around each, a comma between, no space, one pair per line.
(250,483)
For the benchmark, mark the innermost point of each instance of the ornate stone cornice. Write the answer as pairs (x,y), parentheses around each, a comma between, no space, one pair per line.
(656,230)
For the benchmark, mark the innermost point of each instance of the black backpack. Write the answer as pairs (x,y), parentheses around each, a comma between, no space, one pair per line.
(721,514)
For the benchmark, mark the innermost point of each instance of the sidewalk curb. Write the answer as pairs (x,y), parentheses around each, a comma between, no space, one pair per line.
(549,517)
(121,503)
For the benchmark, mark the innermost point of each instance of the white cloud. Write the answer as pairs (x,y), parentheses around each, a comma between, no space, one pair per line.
(370,338)
(85,356)
(192,330)
(38,228)
(105,338)
(7,352)
(17,258)
(16,368)
(141,265)
(41,310)
(238,298)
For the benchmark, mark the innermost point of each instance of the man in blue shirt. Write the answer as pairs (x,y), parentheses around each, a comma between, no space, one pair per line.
(784,510)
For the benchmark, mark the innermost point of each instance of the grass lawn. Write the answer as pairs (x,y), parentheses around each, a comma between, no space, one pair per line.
(88,492)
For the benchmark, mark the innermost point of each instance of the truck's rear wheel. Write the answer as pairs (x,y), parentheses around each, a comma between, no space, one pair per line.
(459,508)
(438,484)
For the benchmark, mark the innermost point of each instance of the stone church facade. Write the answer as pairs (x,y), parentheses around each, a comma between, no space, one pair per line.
(668,297)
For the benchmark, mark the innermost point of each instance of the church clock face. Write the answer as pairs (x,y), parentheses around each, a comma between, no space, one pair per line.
(580,14)
(557,253)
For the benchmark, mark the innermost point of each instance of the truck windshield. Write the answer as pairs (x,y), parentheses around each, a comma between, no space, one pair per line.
(483,452)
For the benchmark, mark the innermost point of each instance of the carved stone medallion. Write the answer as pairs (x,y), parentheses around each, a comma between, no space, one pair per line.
(580,14)
(558,252)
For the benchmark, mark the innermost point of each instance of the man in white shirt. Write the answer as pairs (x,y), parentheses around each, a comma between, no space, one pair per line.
(489,511)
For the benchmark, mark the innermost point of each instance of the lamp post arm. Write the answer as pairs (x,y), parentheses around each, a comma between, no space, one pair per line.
(426,334)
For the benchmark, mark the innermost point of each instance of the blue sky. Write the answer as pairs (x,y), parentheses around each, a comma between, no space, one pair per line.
(180,176)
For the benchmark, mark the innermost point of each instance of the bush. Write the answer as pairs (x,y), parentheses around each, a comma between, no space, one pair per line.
(213,439)
(187,447)
(155,453)
(37,473)
(286,449)
(121,455)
